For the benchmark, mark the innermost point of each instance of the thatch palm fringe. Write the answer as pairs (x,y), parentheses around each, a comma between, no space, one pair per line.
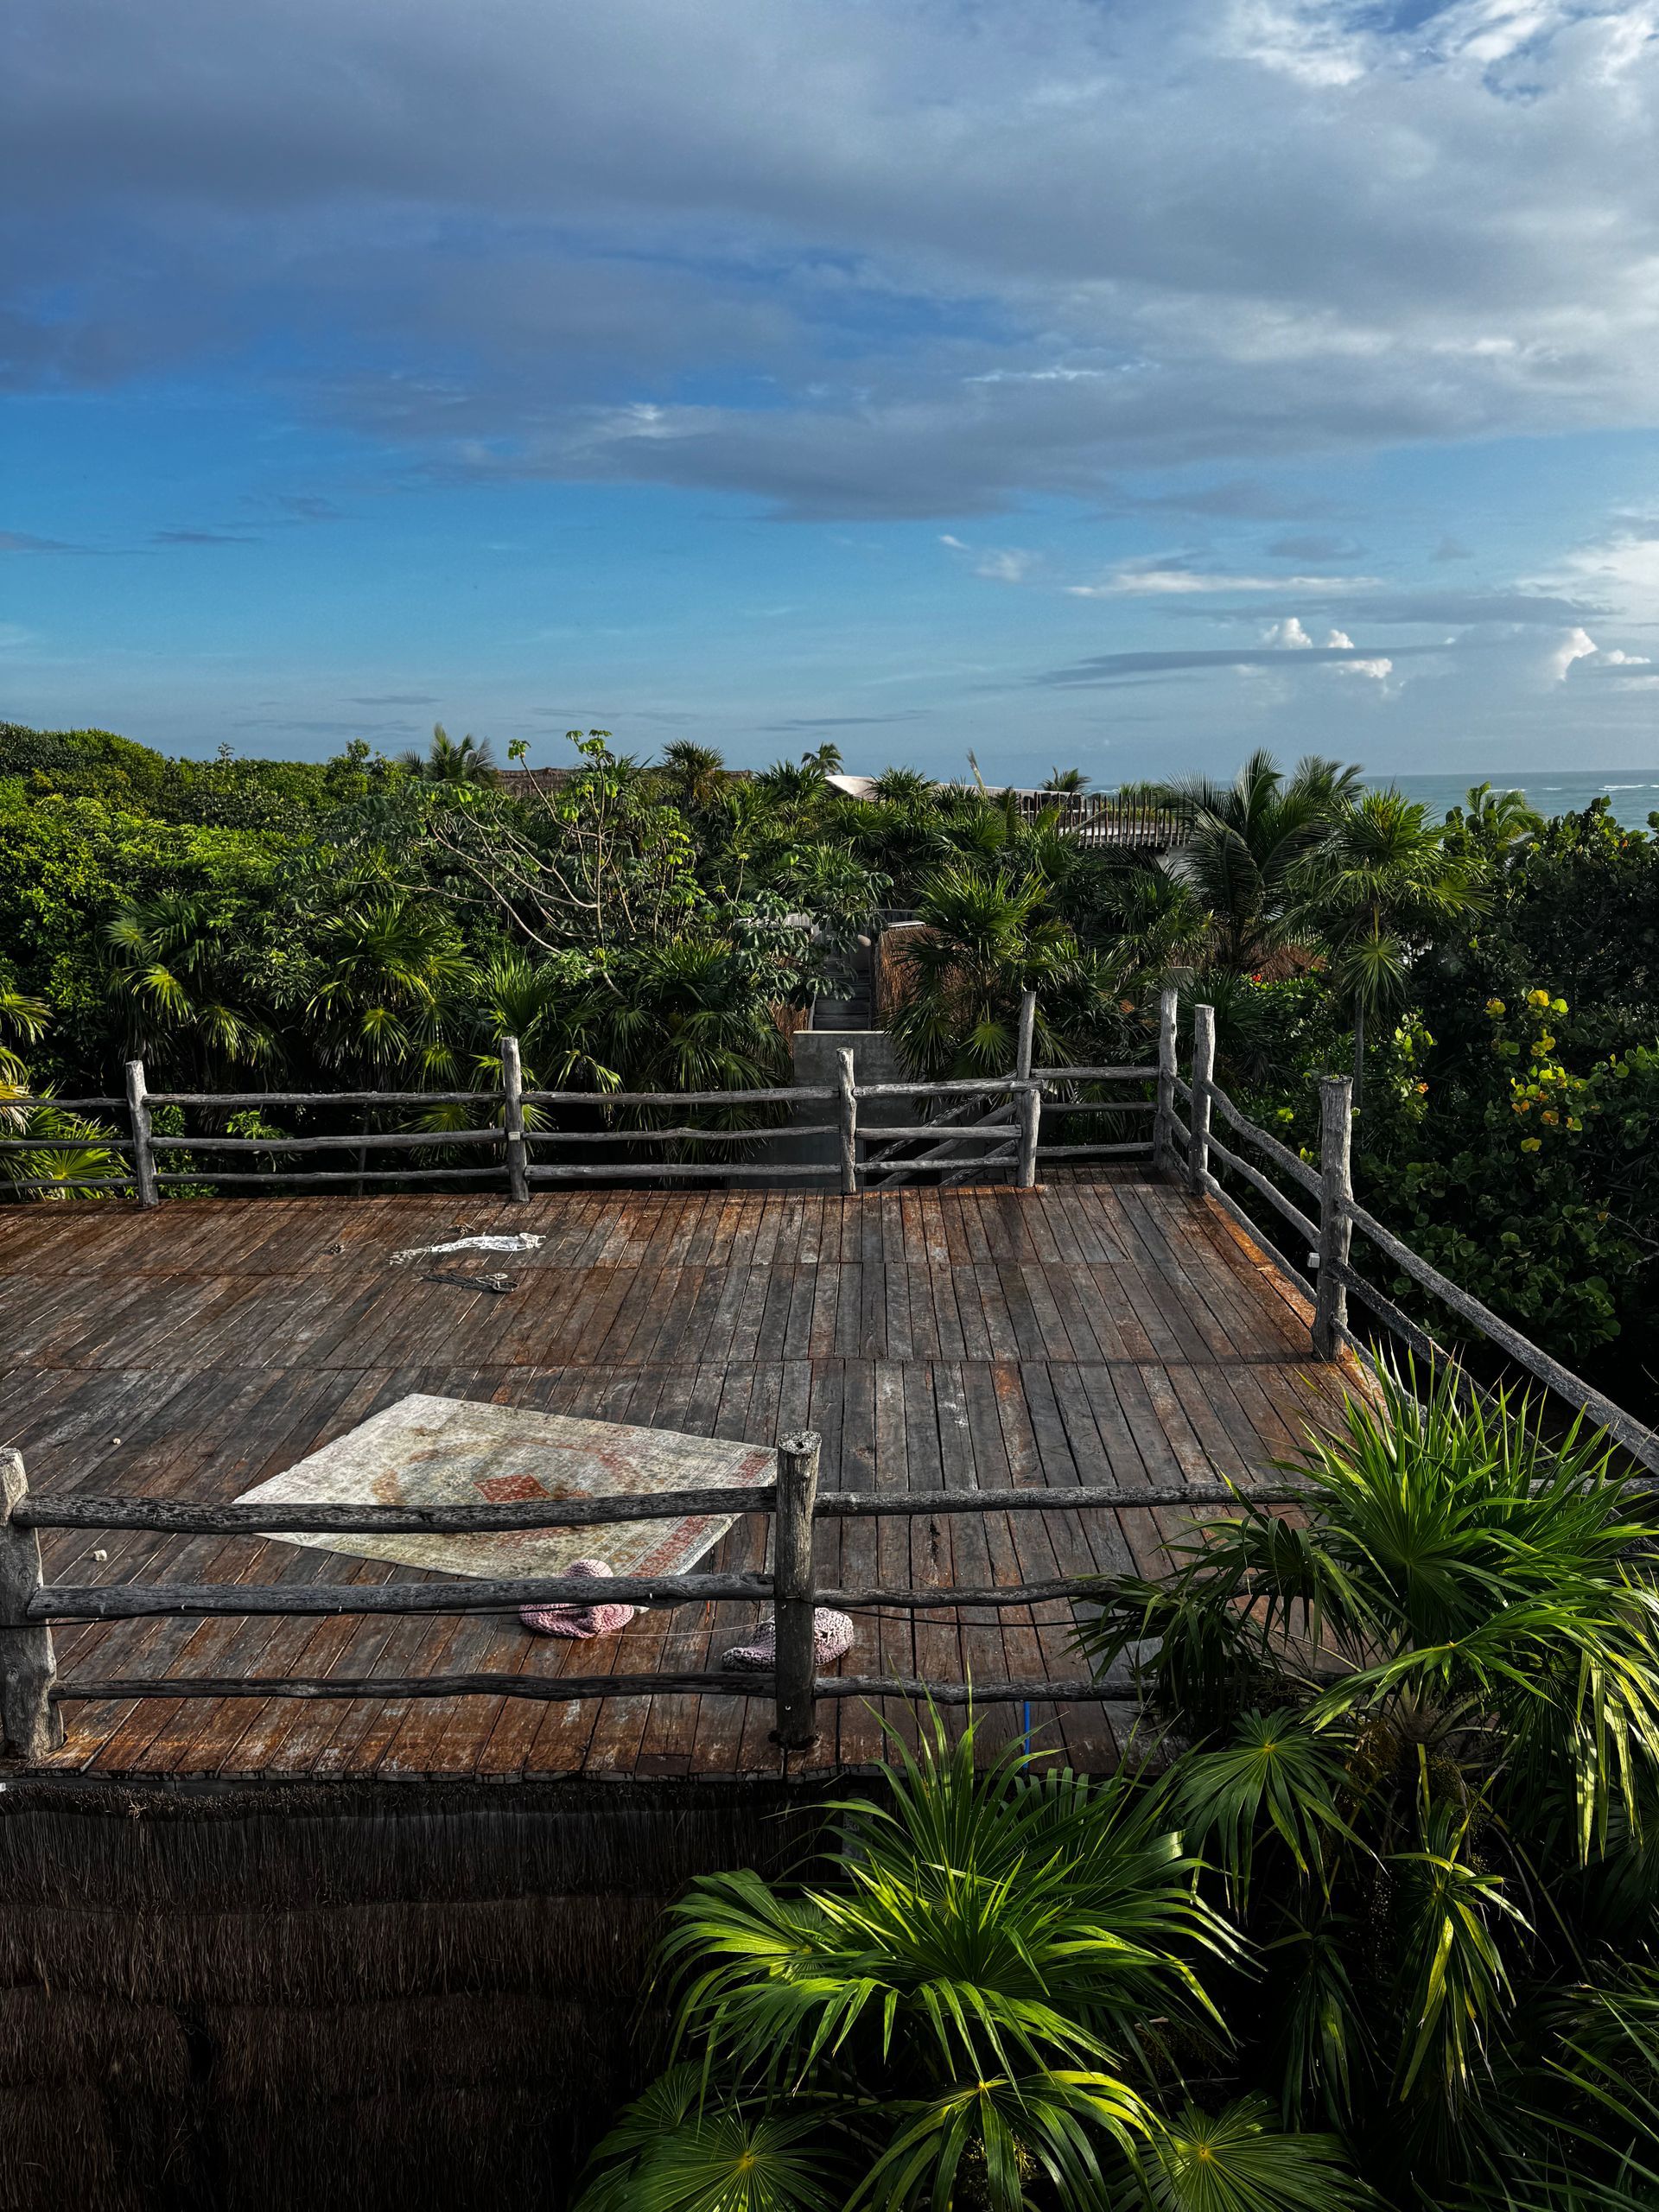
(362,1997)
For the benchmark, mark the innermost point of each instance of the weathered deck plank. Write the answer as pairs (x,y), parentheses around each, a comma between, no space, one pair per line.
(1115,1333)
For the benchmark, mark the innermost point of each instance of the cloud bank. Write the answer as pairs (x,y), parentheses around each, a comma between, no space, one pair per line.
(900,261)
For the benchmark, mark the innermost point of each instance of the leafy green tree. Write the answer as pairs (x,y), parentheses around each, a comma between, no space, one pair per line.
(598,860)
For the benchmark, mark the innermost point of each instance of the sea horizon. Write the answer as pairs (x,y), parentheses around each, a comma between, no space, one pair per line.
(1633,792)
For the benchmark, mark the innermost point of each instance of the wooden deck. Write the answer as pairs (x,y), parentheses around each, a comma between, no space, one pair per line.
(1115,1333)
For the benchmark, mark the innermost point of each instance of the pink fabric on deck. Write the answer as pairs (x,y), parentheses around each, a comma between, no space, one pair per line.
(579,1621)
(832,1639)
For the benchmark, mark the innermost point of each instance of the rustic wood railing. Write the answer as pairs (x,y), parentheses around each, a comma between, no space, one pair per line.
(1006,1136)
(32,1695)
(1327,1235)
(1146,824)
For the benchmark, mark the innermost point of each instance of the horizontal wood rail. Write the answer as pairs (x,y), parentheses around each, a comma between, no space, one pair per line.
(557,1689)
(74,1510)
(133,1601)
(64,1602)
(1638,1441)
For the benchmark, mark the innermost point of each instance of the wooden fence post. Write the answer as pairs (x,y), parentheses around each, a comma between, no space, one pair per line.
(32,1724)
(143,1159)
(1026,1047)
(1204,1071)
(1336,1226)
(512,1121)
(1029,1103)
(849,1122)
(1163,1137)
(792,1590)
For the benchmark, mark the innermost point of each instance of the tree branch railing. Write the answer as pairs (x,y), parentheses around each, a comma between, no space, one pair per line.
(32,1695)
(1007,1136)
(1327,1236)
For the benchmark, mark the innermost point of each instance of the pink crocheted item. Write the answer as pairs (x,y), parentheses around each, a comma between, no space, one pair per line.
(832,1639)
(580,1621)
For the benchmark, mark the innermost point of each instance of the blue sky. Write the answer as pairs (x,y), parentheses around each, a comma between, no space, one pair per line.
(1125,383)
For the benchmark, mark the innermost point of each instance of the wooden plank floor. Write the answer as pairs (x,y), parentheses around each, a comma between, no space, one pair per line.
(1116,1334)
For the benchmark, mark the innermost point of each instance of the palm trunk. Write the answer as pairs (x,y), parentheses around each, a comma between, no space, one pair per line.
(1359,1052)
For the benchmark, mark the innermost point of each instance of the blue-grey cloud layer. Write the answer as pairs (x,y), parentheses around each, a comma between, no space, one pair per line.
(894,261)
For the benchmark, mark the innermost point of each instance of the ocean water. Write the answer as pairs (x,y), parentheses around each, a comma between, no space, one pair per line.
(1633,792)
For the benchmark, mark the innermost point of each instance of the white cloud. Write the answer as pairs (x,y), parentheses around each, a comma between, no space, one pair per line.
(1621,566)
(1289,633)
(1008,564)
(1175,583)
(1577,644)
(1001,564)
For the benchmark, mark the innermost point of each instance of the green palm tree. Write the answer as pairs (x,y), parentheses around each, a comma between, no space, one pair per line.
(394,975)
(1379,879)
(391,970)
(790,786)
(694,774)
(538,1002)
(1066,779)
(25,1018)
(981,2007)
(1426,1721)
(1248,843)
(686,1015)
(1493,829)
(176,977)
(986,942)
(471,761)
(904,787)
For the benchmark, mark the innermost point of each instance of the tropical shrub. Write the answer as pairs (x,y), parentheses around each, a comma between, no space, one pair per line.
(1424,1774)
(991,1999)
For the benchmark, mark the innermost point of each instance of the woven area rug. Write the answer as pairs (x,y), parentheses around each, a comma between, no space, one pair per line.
(451,1451)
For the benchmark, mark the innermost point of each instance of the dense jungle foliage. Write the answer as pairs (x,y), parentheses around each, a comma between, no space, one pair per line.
(243,926)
